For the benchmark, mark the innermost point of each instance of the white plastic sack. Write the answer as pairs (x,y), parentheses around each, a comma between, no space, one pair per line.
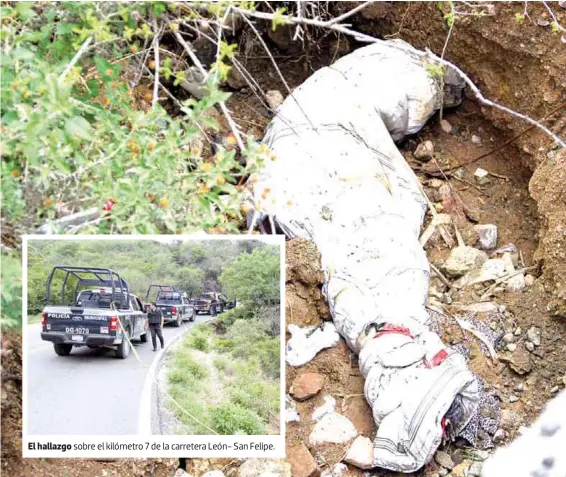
(340,181)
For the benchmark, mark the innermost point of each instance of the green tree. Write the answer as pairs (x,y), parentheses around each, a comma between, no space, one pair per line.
(254,277)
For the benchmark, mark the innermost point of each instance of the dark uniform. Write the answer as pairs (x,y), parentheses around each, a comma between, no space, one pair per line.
(154,318)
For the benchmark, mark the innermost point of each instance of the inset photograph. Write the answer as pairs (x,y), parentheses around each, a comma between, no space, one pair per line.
(154,335)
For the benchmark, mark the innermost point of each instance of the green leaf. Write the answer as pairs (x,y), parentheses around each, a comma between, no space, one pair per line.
(65,28)
(25,10)
(22,54)
(78,126)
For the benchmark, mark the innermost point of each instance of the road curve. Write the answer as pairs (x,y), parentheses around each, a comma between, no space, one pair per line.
(89,392)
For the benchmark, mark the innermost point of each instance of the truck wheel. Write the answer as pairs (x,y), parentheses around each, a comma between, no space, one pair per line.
(123,350)
(143,338)
(178,321)
(62,349)
(194,315)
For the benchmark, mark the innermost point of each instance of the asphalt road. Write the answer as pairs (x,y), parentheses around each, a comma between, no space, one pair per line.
(89,392)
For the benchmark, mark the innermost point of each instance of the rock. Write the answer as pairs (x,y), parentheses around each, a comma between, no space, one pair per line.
(518,331)
(306,386)
(529,346)
(492,269)
(265,468)
(508,337)
(360,453)
(302,461)
(499,436)
(542,22)
(481,176)
(446,126)
(274,98)
(282,36)
(443,459)
(235,79)
(461,469)
(487,235)
(476,139)
(533,334)
(475,469)
(464,259)
(520,361)
(435,183)
(513,398)
(529,280)
(518,387)
(516,284)
(339,470)
(509,420)
(511,347)
(333,429)
(554,390)
(424,151)
(328,407)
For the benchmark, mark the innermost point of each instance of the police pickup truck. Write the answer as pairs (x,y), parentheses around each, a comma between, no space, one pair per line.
(212,303)
(94,308)
(172,303)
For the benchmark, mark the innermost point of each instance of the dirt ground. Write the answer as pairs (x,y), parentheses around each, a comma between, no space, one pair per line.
(520,65)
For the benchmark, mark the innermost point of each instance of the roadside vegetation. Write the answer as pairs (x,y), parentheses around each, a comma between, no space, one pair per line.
(226,373)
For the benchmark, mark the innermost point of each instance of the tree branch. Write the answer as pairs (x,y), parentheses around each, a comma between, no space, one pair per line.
(156,70)
(76,58)
(233,126)
(369,39)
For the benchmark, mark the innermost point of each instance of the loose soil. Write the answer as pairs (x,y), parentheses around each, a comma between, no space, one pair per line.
(523,66)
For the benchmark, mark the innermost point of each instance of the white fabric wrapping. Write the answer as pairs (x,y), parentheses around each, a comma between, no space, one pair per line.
(340,181)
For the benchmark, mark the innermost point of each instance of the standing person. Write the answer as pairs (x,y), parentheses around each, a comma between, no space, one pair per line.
(155,320)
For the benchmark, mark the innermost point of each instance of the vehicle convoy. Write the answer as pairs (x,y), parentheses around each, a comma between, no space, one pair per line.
(212,303)
(175,307)
(94,308)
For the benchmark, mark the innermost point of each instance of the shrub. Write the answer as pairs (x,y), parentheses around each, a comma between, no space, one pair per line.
(261,396)
(221,363)
(231,419)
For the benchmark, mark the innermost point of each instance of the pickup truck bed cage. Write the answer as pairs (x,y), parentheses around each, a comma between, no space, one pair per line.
(90,277)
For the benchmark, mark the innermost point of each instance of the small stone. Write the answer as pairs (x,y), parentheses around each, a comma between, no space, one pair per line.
(481,176)
(520,361)
(508,338)
(435,183)
(443,459)
(475,469)
(518,331)
(476,139)
(533,334)
(265,467)
(542,22)
(446,126)
(529,346)
(274,98)
(339,470)
(461,469)
(516,284)
(487,235)
(511,347)
(509,420)
(519,387)
(360,453)
(513,398)
(328,407)
(424,151)
(555,390)
(306,386)
(499,436)
(459,173)
(302,462)
(464,259)
(529,280)
(333,429)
